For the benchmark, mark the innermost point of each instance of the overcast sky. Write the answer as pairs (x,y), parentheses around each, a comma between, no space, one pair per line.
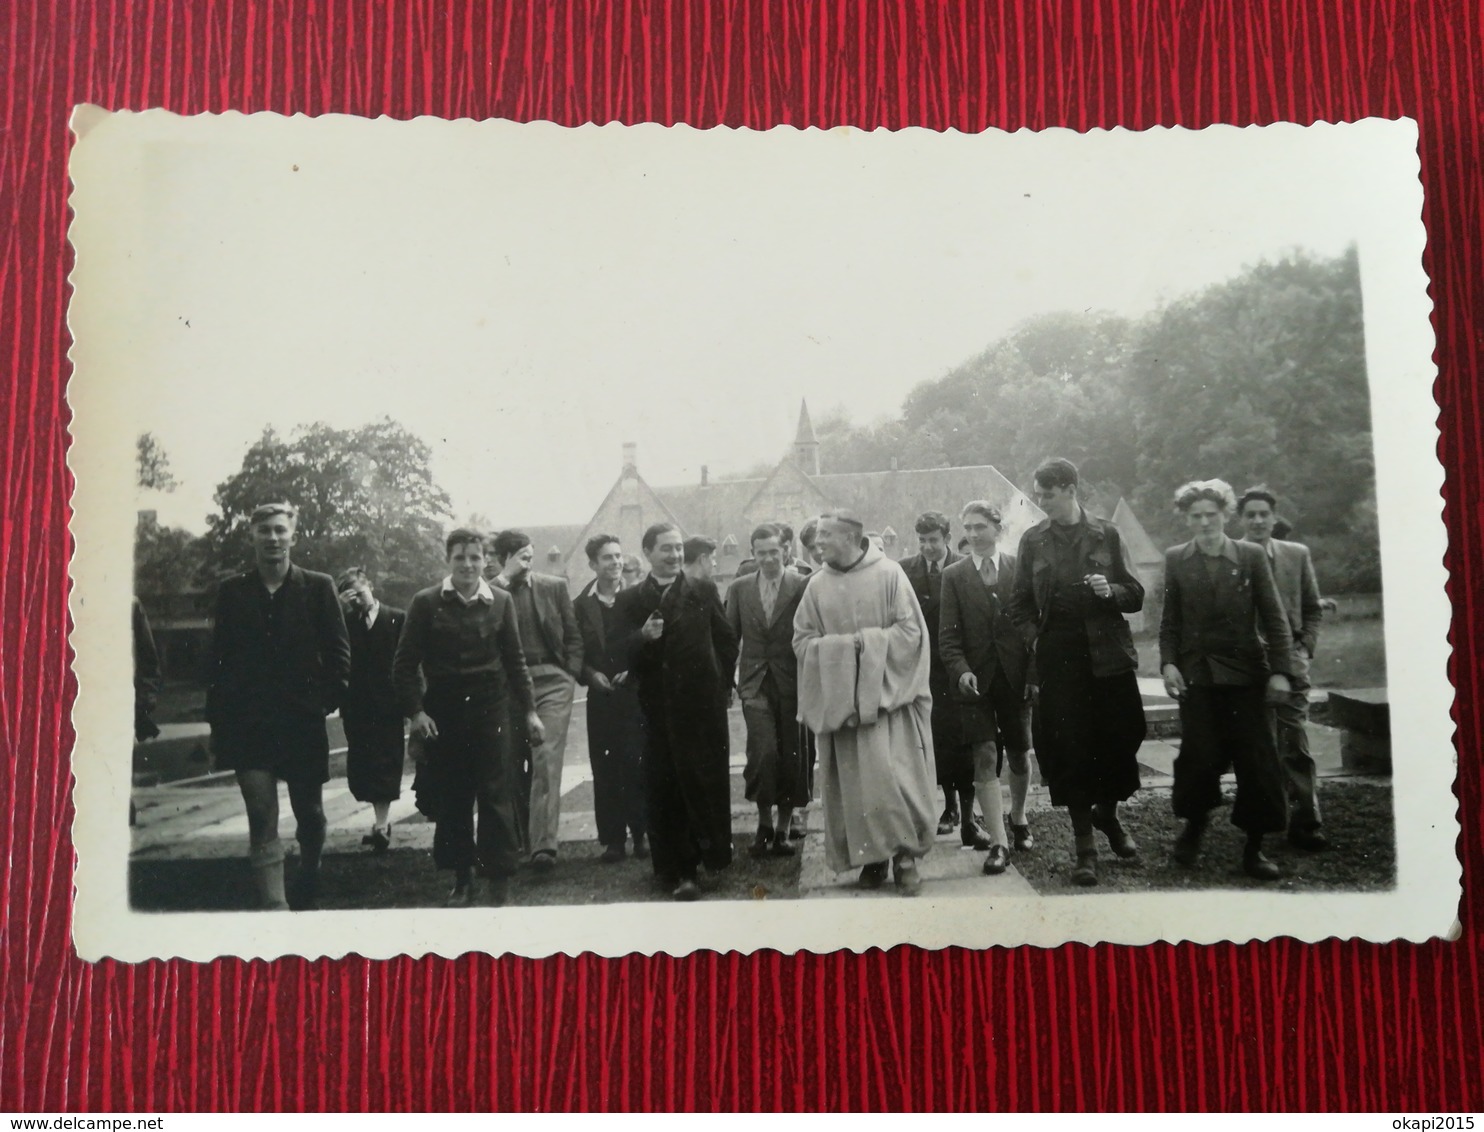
(527,298)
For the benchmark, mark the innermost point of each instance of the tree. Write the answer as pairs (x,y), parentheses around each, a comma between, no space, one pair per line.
(166,560)
(366,497)
(152,465)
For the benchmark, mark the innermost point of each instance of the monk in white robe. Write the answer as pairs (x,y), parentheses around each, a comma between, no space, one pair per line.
(864,661)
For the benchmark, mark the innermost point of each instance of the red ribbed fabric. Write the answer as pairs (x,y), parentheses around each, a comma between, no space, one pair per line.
(1280,1025)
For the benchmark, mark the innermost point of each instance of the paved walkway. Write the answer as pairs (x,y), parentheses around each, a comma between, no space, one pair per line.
(204,818)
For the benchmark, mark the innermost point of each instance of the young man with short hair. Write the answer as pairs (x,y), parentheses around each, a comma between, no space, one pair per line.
(1298,590)
(279,663)
(760,608)
(553,650)
(987,661)
(614,742)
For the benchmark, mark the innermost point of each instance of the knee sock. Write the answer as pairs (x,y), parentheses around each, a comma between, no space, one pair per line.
(992,805)
(1020,784)
(266,859)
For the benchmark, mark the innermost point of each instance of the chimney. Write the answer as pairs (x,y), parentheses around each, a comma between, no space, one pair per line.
(630,456)
(705,476)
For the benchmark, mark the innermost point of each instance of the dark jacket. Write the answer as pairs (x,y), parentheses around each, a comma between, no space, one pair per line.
(304,670)
(767,644)
(371,694)
(558,623)
(1233,621)
(976,633)
(693,662)
(444,639)
(929,590)
(1109,642)
(601,651)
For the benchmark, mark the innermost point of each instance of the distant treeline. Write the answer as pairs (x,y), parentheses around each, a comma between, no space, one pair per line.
(1258,379)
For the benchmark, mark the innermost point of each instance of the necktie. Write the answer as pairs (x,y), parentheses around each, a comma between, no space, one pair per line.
(987,571)
(932,568)
(770,594)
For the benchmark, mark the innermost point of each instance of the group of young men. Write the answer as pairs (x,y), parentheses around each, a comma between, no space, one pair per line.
(861,680)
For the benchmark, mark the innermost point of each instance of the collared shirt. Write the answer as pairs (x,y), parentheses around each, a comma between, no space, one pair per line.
(934,565)
(608,601)
(767,589)
(997,558)
(482,593)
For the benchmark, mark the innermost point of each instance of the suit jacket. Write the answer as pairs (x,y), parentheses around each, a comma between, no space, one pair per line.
(767,644)
(1232,620)
(929,589)
(1298,590)
(601,651)
(554,614)
(304,670)
(1110,644)
(977,634)
(371,694)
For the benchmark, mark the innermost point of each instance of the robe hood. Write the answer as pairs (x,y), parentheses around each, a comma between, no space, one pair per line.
(872,557)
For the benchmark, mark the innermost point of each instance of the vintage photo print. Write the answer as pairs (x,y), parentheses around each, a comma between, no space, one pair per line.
(528,539)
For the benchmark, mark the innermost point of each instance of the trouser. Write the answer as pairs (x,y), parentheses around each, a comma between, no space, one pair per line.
(1290,723)
(774,775)
(614,750)
(1227,726)
(475,768)
(553,691)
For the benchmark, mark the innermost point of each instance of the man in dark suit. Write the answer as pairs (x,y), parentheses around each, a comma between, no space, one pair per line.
(683,654)
(374,737)
(954,762)
(760,609)
(279,663)
(1224,646)
(614,744)
(987,659)
(553,648)
(1298,590)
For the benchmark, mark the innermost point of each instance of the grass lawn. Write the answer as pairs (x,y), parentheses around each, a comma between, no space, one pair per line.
(1358,822)
(407,879)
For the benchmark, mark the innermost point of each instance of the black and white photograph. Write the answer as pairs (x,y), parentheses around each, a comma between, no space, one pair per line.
(529,539)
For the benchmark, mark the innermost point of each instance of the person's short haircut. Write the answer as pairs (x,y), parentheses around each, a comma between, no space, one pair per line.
(1259,492)
(963,545)
(595,545)
(785,532)
(652,535)
(631,562)
(849,519)
(930,521)
(1218,492)
(1282,528)
(764,530)
(1056,472)
(464,536)
(697,545)
(985,508)
(349,577)
(508,543)
(808,532)
(265,511)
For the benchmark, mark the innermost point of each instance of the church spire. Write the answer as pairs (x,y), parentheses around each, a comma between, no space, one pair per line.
(806,444)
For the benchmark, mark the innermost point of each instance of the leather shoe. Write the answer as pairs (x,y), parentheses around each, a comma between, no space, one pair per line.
(543,860)
(997,861)
(459,897)
(909,880)
(687,890)
(974,835)
(781,847)
(873,875)
(948,821)
(1086,872)
(762,842)
(1256,865)
(1119,841)
(1024,841)
(1188,844)
(612,854)
(1310,839)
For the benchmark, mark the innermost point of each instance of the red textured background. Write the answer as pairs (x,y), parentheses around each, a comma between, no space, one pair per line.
(1280,1025)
